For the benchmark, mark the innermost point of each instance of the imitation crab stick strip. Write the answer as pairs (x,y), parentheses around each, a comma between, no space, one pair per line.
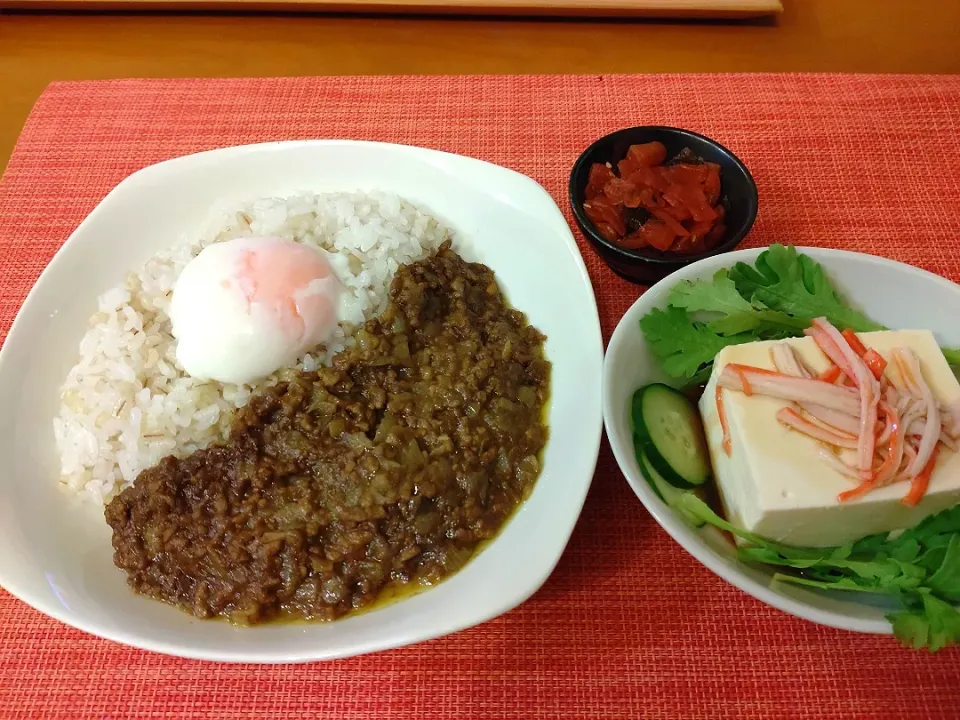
(839,465)
(920,483)
(909,455)
(722,414)
(866,383)
(888,468)
(830,349)
(909,368)
(786,360)
(859,491)
(833,419)
(831,374)
(891,464)
(872,358)
(787,387)
(745,385)
(875,362)
(950,417)
(854,342)
(792,419)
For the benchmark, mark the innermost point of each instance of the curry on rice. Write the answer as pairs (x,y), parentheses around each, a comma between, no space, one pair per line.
(388,467)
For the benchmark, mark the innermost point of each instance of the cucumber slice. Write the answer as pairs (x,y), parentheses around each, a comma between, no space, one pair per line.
(670,431)
(667,492)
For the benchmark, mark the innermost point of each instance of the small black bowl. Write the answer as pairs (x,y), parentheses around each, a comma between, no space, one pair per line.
(646,267)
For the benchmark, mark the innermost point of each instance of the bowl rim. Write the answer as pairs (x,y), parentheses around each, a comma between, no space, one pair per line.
(475,172)
(595,238)
(731,571)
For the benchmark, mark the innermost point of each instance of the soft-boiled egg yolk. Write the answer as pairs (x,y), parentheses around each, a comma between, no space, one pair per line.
(244,308)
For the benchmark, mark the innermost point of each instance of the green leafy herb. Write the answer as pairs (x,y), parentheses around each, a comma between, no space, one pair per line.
(945,582)
(840,583)
(684,348)
(790,282)
(877,564)
(934,625)
(775,298)
(734,314)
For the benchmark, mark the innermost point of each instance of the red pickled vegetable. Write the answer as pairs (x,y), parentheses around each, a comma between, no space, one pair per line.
(627,167)
(648,178)
(711,186)
(656,234)
(601,211)
(607,230)
(622,191)
(692,197)
(648,154)
(682,199)
(684,174)
(670,222)
(680,213)
(647,197)
(599,176)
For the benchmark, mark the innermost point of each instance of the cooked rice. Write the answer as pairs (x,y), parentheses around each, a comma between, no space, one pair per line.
(127,403)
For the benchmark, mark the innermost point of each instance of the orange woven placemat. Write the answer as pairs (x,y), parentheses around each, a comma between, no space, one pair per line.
(629,625)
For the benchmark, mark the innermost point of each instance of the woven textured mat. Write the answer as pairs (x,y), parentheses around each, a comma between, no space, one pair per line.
(629,625)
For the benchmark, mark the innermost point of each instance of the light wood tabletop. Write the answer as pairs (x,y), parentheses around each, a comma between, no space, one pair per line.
(810,35)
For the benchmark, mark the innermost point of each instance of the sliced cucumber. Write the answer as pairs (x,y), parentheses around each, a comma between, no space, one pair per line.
(668,427)
(667,492)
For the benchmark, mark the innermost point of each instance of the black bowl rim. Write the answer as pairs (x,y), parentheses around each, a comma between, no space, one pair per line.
(586,226)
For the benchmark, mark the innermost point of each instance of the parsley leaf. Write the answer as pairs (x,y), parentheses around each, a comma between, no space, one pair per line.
(839,583)
(945,582)
(736,314)
(790,282)
(778,298)
(930,530)
(906,551)
(935,625)
(925,584)
(911,628)
(683,347)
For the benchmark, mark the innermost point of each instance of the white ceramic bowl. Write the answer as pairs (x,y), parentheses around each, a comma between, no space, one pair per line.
(891,293)
(56,550)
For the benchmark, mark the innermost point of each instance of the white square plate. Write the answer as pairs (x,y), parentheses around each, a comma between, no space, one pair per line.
(57,555)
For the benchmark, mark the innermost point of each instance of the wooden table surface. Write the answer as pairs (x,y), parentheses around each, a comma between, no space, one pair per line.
(811,35)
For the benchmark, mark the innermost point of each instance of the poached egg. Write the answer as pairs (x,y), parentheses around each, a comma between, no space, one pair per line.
(244,308)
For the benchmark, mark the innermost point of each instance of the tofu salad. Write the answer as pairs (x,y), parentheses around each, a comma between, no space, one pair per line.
(825,444)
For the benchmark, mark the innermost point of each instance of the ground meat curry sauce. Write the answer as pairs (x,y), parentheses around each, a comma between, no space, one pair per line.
(388,468)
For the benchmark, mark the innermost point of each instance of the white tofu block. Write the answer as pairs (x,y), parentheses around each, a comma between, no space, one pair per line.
(774,482)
